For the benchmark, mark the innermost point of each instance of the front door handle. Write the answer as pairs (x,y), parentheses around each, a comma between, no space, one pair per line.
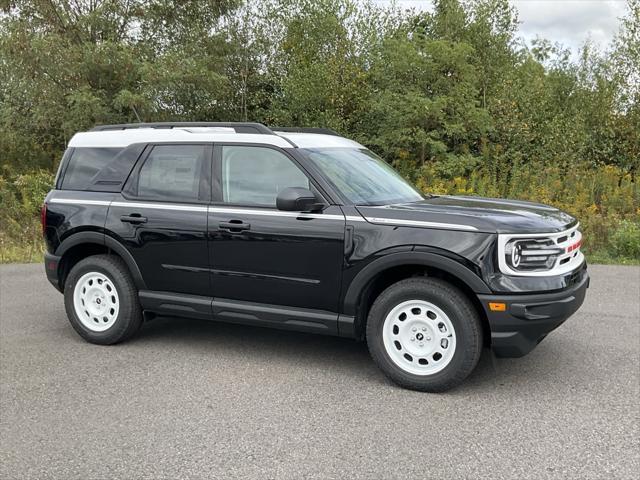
(133,218)
(234,226)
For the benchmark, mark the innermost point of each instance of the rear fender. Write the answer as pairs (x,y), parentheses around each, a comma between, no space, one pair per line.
(110,243)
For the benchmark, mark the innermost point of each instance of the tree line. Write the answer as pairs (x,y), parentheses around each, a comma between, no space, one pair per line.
(452,97)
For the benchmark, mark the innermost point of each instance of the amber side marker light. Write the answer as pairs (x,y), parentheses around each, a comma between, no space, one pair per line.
(497,307)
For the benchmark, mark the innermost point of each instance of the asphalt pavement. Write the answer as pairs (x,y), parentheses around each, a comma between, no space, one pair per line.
(195,399)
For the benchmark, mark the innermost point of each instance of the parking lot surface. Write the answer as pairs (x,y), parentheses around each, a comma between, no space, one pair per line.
(195,399)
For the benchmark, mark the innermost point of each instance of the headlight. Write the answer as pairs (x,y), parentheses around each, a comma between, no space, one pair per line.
(531,254)
(540,254)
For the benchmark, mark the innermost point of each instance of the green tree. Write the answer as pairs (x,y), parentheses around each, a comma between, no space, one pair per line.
(65,66)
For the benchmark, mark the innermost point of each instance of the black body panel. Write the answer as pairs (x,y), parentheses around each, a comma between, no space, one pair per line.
(281,258)
(376,248)
(488,215)
(72,212)
(170,247)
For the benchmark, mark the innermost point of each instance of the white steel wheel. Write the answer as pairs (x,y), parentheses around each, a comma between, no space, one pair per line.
(96,302)
(419,337)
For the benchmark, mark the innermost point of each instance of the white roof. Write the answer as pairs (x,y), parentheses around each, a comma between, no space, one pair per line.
(124,138)
(318,140)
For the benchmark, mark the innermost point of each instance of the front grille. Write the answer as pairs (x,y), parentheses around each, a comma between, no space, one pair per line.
(540,254)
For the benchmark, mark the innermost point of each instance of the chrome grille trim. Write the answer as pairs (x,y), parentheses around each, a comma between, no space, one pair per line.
(563,240)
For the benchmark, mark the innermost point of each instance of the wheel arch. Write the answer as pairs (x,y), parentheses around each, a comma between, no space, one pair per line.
(83,244)
(383,272)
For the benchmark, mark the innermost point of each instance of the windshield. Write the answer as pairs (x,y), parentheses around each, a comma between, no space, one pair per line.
(362,177)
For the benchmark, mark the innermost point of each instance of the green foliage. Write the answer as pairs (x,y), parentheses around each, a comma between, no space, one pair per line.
(625,241)
(427,107)
(451,98)
(21,198)
(603,198)
(66,66)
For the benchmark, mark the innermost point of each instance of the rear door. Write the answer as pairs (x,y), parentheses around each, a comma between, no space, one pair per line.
(161,217)
(266,257)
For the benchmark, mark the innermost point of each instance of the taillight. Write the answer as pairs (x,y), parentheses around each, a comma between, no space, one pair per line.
(43,218)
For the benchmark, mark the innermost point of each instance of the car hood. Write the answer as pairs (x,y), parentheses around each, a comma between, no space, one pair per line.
(491,215)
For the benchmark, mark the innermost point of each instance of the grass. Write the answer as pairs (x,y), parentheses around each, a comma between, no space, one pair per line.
(11,252)
(605,258)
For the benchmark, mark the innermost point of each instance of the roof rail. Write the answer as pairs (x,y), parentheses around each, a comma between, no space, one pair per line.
(325,131)
(239,127)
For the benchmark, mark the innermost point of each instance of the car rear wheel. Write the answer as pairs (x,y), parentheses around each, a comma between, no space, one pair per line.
(424,334)
(101,300)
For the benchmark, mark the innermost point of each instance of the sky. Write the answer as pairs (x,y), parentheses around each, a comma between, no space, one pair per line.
(569,22)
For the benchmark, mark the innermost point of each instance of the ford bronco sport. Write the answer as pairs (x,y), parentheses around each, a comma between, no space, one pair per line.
(301,229)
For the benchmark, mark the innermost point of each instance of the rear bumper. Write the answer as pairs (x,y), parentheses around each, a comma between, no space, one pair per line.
(51,264)
(529,318)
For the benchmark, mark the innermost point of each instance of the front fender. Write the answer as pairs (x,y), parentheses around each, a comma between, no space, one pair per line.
(427,259)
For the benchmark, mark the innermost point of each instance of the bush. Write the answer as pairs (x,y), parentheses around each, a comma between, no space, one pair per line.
(605,199)
(21,197)
(625,241)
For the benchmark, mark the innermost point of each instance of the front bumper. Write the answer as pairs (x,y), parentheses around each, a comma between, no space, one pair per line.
(527,319)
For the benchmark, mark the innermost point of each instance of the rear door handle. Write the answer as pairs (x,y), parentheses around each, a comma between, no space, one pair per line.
(234,226)
(133,218)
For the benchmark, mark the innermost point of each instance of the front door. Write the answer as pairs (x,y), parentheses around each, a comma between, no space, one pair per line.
(265,261)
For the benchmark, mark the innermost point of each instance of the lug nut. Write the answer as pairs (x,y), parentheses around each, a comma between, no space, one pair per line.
(413,338)
(422,344)
(414,329)
(428,339)
(424,329)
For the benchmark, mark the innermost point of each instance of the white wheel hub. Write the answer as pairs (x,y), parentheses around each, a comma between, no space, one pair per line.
(95,300)
(419,337)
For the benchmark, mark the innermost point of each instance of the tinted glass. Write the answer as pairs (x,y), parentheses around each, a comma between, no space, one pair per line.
(84,165)
(173,172)
(362,177)
(255,175)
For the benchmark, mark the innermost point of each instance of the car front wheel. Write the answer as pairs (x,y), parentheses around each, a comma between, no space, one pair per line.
(424,334)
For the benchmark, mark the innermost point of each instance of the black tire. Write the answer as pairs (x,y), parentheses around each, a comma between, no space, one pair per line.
(129,316)
(461,313)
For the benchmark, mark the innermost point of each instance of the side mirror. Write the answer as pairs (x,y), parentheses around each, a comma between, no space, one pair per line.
(296,199)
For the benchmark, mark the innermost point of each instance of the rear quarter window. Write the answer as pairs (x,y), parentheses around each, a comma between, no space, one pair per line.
(84,164)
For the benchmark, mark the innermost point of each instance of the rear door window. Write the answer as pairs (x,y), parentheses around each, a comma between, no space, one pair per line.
(175,172)
(84,164)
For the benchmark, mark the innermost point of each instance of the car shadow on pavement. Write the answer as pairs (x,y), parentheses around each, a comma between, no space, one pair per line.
(319,351)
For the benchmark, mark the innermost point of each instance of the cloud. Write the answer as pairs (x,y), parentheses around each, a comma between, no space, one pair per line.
(569,22)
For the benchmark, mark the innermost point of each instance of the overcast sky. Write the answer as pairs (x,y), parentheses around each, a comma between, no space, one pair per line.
(570,22)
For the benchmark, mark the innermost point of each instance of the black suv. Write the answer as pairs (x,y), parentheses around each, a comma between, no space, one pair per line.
(302,229)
